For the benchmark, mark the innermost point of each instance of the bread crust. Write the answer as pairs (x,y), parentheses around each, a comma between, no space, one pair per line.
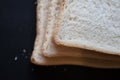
(88,62)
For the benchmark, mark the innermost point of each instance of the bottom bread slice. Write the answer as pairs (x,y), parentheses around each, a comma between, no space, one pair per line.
(81,61)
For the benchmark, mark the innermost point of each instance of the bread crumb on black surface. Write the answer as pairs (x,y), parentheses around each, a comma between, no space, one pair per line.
(24,51)
(16,58)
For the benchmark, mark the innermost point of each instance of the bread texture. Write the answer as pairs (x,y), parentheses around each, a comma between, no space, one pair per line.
(50,49)
(38,57)
(90,24)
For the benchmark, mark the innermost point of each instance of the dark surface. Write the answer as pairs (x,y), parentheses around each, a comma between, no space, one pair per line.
(17,32)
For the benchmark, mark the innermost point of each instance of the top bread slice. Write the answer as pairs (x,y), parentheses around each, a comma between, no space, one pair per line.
(90,24)
(50,49)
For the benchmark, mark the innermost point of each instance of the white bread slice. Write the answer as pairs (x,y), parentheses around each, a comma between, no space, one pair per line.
(39,59)
(90,24)
(50,49)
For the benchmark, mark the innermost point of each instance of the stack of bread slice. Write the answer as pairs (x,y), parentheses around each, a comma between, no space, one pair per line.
(78,32)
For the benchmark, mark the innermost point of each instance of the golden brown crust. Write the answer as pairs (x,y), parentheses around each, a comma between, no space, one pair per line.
(88,62)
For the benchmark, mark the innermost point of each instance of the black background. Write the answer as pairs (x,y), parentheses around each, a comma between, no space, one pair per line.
(17,32)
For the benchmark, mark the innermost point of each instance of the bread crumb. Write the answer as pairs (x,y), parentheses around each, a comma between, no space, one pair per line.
(16,58)
(24,51)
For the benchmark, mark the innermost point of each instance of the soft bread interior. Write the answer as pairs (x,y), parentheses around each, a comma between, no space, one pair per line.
(92,25)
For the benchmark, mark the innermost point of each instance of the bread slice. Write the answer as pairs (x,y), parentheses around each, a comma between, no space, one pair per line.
(39,59)
(42,19)
(92,25)
(50,49)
